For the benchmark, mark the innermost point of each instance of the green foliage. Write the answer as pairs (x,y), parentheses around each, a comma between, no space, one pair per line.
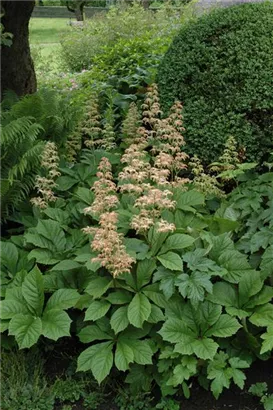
(195,298)
(167,404)
(260,390)
(117,42)
(20,165)
(51,110)
(125,401)
(25,124)
(23,385)
(68,389)
(220,67)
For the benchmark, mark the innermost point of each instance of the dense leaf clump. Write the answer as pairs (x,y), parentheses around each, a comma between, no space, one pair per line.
(166,280)
(221,67)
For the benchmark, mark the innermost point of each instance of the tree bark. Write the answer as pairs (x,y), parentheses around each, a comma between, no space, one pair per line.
(78,9)
(146,3)
(17,69)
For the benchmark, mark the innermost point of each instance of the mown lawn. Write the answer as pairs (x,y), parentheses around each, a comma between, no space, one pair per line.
(45,36)
(47,30)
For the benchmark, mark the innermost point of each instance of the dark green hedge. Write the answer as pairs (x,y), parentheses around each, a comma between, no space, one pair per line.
(221,68)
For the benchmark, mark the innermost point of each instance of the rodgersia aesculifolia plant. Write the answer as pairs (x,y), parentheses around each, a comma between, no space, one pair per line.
(162,288)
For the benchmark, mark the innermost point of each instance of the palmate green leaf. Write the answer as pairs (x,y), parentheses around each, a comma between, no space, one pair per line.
(197,260)
(177,241)
(91,265)
(4,325)
(172,261)
(9,256)
(91,333)
(267,402)
(194,286)
(185,346)
(258,389)
(139,310)
(15,294)
(119,320)
(261,239)
(38,240)
(240,313)
(266,264)
(119,297)
(174,330)
(220,380)
(26,329)
(136,248)
(65,182)
(58,215)
(124,355)
(139,379)
(263,297)
(263,315)
(167,280)
(144,272)
(236,265)
(250,284)
(156,315)
(220,244)
(56,324)
(267,344)
(33,291)
(9,308)
(205,348)
(102,362)
(84,301)
(189,199)
(238,376)
(67,264)
(98,359)
(63,299)
(43,256)
(207,314)
(98,286)
(142,351)
(225,326)
(156,240)
(52,231)
(97,309)
(224,294)
(155,295)
(221,372)
(180,373)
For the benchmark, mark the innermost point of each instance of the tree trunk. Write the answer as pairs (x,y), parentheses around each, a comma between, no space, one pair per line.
(146,3)
(78,9)
(17,69)
(79,12)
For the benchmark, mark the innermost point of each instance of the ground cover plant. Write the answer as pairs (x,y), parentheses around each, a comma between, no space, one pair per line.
(27,123)
(220,68)
(134,275)
(150,268)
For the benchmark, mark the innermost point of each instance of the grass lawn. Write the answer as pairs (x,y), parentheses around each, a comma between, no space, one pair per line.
(45,33)
(47,30)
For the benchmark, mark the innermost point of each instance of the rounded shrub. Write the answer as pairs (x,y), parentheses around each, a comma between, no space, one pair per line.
(220,67)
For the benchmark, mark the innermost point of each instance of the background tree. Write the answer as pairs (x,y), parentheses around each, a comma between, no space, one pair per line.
(17,69)
(76,7)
